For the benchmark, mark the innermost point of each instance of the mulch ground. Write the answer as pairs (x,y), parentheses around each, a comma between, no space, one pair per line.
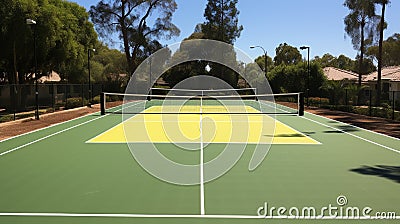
(381,125)
(13,128)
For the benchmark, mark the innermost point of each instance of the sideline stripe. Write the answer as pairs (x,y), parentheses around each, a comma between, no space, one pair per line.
(202,206)
(59,132)
(195,216)
(374,132)
(353,135)
(52,125)
(48,136)
(56,133)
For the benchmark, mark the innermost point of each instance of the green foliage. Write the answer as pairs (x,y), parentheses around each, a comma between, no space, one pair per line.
(361,22)
(222,21)
(293,78)
(391,51)
(261,62)
(63,33)
(131,21)
(75,102)
(318,101)
(360,25)
(287,55)
(345,63)
(193,68)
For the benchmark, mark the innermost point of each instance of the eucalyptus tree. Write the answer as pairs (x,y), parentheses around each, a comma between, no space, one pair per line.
(135,23)
(360,25)
(382,26)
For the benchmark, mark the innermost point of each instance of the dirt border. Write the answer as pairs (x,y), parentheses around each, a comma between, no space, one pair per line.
(14,128)
(376,124)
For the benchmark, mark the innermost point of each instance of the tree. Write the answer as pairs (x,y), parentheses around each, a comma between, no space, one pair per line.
(292,78)
(222,21)
(346,63)
(327,60)
(287,55)
(109,67)
(130,19)
(360,25)
(390,51)
(63,35)
(261,62)
(382,26)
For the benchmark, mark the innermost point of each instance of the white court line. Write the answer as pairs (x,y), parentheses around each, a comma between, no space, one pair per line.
(40,129)
(193,216)
(353,135)
(48,136)
(354,126)
(202,206)
(56,133)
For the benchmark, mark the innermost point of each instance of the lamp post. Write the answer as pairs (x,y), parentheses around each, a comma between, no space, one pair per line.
(33,23)
(265,59)
(90,86)
(308,72)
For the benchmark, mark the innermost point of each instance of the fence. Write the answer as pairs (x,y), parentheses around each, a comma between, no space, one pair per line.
(21,98)
(361,102)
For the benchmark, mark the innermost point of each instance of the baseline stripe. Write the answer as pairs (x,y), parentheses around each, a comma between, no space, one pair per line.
(195,216)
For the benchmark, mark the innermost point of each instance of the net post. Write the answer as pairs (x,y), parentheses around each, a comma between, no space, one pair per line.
(102,103)
(301,104)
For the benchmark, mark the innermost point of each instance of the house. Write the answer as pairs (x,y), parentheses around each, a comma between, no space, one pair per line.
(52,77)
(390,81)
(337,74)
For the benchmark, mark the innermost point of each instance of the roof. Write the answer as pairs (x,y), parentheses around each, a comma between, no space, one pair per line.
(391,73)
(337,74)
(52,77)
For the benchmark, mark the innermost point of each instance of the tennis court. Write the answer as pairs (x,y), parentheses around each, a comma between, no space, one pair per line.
(86,171)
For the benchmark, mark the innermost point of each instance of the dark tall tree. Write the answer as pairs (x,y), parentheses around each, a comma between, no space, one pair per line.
(360,25)
(382,26)
(286,54)
(222,21)
(130,19)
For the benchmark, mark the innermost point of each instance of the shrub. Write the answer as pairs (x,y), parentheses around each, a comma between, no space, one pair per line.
(96,99)
(318,101)
(75,102)
(5,118)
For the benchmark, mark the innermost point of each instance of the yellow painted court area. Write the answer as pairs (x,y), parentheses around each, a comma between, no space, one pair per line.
(208,128)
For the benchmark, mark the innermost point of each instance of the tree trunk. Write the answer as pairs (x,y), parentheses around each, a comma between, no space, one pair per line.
(361,61)
(379,82)
(124,31)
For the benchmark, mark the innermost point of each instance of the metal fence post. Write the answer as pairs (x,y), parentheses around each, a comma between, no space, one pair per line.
(393,104)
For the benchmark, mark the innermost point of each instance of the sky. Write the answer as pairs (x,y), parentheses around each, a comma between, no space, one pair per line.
(315,23)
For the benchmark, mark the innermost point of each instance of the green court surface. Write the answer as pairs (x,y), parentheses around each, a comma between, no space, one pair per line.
(56,175)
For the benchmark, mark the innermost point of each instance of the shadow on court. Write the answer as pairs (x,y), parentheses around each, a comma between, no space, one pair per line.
(389,172)
(343,128)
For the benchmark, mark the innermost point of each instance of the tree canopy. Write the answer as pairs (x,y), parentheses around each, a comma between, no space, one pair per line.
(391,51)
(222,22)
(360,25)
(63,34)
(287,55)
(130,20)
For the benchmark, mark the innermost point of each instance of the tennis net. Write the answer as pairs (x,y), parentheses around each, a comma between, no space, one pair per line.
(203,92)
(203,103)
